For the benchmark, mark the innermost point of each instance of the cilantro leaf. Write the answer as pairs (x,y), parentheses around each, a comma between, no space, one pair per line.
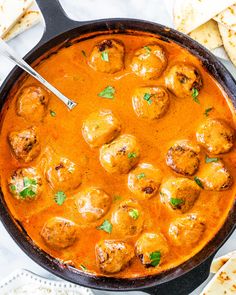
(133,213)
(52,113)
(176,202)
(27,192)
(60,198)
(106,226)
(140,176)
(132,155)
(195,94)
(108,92)
(84,268)
(207,111)
(210,160)
(147,97)
(198,181)
(105,56)
(155,258)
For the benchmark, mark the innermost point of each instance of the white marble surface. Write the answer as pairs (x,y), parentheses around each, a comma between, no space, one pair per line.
(11,257)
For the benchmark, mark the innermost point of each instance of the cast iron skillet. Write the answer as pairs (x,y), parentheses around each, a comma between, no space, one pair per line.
(178,281)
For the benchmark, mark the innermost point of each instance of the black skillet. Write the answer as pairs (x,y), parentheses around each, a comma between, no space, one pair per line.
(178,281)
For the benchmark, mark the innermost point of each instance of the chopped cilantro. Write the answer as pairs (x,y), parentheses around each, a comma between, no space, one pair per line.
(106,226)
(198,181)
(155,258)
(148,49)
(105,56)
(13,187)
(83,267)
(27,192)
(147,97)
(141,175)
(52,113)
(108,92)
(195,94)
(132,155)
(210,160)
(133,213)
(176,202)
(207,111)
(60,198)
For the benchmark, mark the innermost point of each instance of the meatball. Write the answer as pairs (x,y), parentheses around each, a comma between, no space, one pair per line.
(216,136)
(59,233)
(215,176)
(100,127)
(150,102)
(183,80)
(32,103)
(25,144)
(186,231)
(149,62)
(107,56)
(183,157)
(113,256)
(25,184)
(93,203)
(144,181)
(63,174)
(120,155)
(127,220)
(151,248)
(179,193)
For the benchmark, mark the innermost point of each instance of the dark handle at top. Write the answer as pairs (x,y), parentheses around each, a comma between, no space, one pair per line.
(185,284)
(55,18)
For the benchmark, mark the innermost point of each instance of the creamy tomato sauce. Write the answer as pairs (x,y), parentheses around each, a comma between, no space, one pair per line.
(60,133)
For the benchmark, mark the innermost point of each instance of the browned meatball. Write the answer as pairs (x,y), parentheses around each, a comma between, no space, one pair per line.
(113,256)
(187,231)
(149,62)
(62,173)
(179,193)
(93,203)
(152,249)
(100,127)
(107,56)
(25,144)
(215,176)
(183,157)
(120,155)
(144,181)
(25,184)
(32,103)
(127,220)
(216,136)
(59,233)
(183,80)
(150,102)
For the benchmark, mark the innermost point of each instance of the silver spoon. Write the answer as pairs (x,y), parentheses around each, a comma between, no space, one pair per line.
(8,52)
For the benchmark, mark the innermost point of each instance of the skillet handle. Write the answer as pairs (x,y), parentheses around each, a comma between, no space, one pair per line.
(185,284)
(55,18)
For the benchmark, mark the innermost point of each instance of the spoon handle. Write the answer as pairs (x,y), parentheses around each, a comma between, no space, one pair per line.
(13,56)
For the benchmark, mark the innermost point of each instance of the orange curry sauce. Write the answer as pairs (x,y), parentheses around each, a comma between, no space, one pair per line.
(68,70)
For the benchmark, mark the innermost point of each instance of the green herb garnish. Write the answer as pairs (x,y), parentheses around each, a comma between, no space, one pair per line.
(155,258)
(198,181)
(148,49)
(133,213)
(195,94)
(105,56)
(27,192)
(60,198)
(207,111)
(29,189)
(132,155)
(13,187)
(147,97)
(52,113)
(176,202)
(106,226)
(210,160)
(108,92)
(117,198)
(84,268)
(141,175)
(84,53)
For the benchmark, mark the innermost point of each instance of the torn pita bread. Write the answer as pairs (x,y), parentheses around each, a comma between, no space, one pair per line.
(224,282)
(220,261)
(28,20)
(10,12)
(229,41)
(208,35)
(227,17)
(190,14)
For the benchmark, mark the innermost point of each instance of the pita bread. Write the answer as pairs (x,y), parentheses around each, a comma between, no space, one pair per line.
(190,14)
(227,17)
(229,41)
(28,20)
(10,12)
(208,35)
(220,261)
(224,282)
